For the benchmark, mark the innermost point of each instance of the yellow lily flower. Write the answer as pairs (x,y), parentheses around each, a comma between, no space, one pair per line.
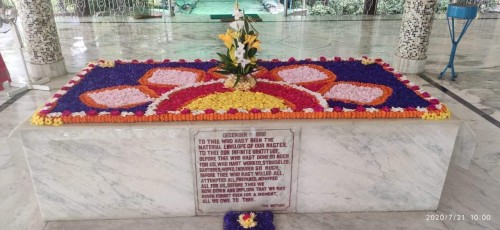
(253,60)
(250,39)
(228,40)
(233,33)
(232,55)
(256,44)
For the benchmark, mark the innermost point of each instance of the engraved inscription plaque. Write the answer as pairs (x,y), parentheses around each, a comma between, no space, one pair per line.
(248,169)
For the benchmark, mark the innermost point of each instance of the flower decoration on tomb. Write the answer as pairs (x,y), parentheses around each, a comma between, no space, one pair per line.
(152,91)
(239,62)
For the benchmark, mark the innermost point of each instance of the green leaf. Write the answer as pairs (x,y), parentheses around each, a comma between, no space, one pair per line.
(247,69)
(222,71)
(237,80)
(246,23)
(252,52)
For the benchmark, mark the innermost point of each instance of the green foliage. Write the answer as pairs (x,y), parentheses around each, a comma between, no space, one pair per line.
(390,6)
(384,7)
(320,9)
(336,7)
(442,6)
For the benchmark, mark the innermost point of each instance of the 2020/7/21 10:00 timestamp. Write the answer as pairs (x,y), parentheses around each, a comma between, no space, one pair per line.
(458,217)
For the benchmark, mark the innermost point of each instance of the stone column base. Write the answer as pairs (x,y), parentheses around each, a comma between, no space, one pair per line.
(51,70)
(410,66)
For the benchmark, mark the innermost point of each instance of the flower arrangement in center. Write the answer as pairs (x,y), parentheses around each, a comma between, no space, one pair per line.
(242,43)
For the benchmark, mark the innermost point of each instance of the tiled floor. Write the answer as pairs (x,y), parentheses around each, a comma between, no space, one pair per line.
(471,189)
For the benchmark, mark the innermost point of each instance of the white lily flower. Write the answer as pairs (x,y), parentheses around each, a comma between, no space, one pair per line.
(237,13)
(243,62)
(240,51)
(237,25)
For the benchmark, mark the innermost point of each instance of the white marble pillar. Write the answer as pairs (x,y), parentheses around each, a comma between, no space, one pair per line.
(414,36)
(45,59)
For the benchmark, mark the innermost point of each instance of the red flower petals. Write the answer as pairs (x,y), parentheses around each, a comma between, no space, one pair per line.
(434,101)
(319,108)
(91,112)
(338,109)
(255,110)
(432,108)
(360,108)
(183,97)
(66,113)
(139,113)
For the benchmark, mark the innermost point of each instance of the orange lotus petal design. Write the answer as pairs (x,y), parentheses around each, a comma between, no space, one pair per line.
(171,76)
(123,96)
(321,82)
(359,93)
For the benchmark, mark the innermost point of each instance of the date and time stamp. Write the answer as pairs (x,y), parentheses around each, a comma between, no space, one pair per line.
(458,217)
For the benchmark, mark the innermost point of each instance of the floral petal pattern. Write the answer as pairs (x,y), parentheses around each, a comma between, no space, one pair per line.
(359,93)
(152,91)
(118,97)
(166,77)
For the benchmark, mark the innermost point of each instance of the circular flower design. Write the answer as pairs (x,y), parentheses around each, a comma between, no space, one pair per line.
(213,94)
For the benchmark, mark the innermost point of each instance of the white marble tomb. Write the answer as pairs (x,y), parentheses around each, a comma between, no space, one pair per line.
(114,171)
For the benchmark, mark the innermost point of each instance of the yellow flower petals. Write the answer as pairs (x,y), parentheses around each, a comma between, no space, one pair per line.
(237,99)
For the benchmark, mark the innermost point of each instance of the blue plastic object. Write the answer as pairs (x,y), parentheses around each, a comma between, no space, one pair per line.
(459,11)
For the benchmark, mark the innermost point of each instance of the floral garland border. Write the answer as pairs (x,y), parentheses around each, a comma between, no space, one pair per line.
(43,116)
